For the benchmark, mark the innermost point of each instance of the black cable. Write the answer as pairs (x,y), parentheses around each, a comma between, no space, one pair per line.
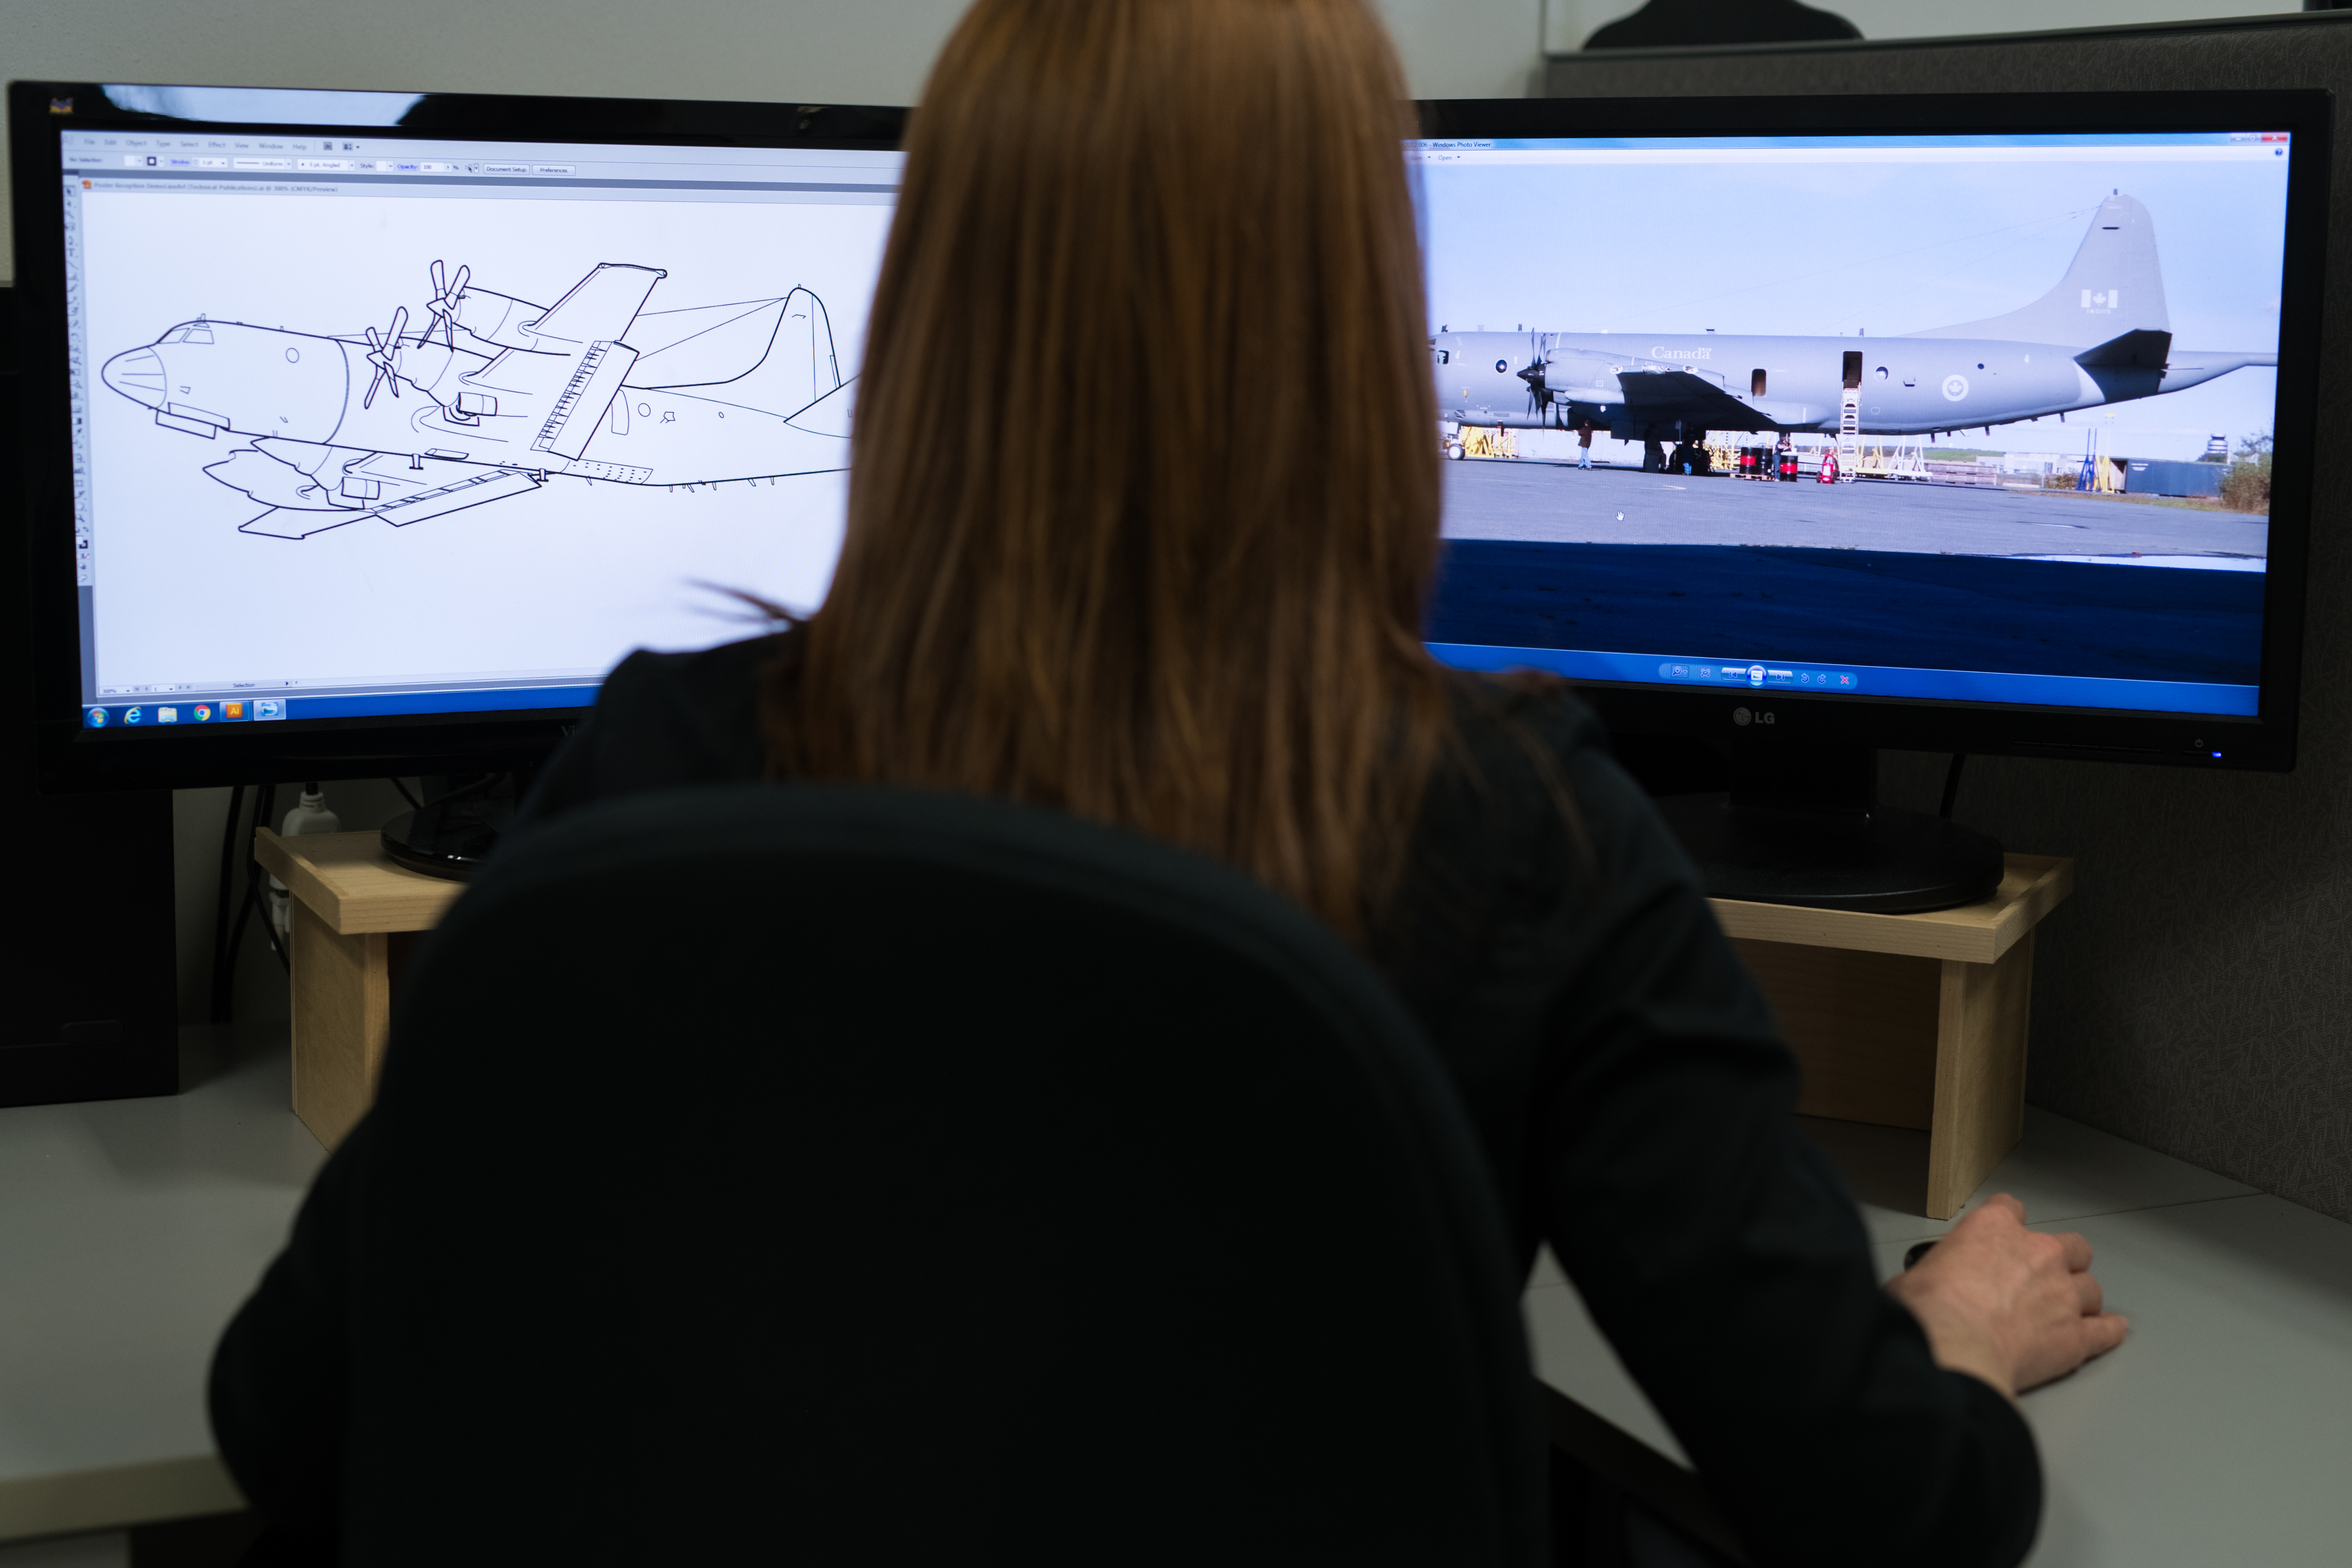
(256,888)
(476,787)
(219,1000)
(263,795)
(414,803)
(269,926)
(1952,784)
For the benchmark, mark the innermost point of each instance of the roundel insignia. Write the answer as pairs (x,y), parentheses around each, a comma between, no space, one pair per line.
(1501,365)
(1956,387)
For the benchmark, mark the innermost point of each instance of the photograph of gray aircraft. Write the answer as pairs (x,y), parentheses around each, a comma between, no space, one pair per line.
(2101,336)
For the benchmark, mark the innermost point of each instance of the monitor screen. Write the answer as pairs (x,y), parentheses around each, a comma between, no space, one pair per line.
(374,423)
(1981,418)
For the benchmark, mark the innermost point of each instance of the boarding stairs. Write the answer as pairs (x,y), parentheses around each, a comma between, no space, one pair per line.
(1849,446)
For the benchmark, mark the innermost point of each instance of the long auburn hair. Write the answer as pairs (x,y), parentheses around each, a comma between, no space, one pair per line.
(1145,498)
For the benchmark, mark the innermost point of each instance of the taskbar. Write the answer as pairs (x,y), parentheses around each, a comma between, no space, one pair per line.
(210,712)
(1787,675)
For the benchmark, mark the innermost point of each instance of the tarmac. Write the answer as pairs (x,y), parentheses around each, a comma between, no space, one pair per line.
(1561,504)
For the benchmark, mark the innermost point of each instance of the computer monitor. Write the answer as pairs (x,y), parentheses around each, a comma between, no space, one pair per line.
(1806,427)
(372,428)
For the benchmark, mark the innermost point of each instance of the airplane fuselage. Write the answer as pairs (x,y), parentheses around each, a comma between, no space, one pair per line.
(457,404)
(1626,383)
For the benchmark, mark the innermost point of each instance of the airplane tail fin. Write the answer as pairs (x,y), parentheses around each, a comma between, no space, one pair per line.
(799,368)
(2114,287)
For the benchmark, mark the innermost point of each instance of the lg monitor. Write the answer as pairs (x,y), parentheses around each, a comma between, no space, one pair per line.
(372,428)
(1806,426)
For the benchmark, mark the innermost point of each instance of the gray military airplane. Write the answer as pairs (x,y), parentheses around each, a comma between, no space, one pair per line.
(2101,336)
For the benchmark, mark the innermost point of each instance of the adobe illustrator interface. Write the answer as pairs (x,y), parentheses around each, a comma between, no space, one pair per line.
(429,426)
(1981,418)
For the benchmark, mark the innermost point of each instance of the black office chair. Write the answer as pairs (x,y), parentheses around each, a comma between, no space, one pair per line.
(857,1175)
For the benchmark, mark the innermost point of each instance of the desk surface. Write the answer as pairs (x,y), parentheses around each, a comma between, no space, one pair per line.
(130,1231)
(2221,1430)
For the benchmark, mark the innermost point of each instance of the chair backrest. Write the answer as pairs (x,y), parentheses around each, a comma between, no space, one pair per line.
(877,1176)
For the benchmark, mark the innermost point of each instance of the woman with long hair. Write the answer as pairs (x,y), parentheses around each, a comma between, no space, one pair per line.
(1144,512)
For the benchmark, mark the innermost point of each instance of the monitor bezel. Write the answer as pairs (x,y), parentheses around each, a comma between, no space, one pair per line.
(71,757)
(2265,743)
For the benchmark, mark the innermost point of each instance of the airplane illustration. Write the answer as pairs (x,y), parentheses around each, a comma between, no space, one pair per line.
(493,397)
(2101,336)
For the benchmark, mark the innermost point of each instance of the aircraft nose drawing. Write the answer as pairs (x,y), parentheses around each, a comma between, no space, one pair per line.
(481,395)
(2101,335)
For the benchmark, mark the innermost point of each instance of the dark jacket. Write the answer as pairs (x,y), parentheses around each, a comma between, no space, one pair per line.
(1633,1097)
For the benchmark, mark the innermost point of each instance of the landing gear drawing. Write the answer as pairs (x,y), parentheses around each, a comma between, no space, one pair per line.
(493,397)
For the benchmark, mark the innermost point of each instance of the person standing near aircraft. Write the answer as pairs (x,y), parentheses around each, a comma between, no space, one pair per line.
(1584,443)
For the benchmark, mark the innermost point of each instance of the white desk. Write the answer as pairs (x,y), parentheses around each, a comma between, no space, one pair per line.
(130,1231)
(2220,1432)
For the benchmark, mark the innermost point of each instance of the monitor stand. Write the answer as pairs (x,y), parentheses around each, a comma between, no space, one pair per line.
(450,836)
(1802,824)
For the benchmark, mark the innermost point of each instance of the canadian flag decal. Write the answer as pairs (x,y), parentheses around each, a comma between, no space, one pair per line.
(2103,299)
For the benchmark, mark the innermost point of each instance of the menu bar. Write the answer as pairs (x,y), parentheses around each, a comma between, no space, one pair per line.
(229,155)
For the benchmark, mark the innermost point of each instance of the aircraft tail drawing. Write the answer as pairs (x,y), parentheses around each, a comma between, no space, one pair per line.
(799,368)
(2115,288)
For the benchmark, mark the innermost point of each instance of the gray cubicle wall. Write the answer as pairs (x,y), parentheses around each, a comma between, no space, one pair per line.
(2197,995)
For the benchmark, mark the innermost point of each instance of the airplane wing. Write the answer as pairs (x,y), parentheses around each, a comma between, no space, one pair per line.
(1676,394)
(600,307)
(312,488)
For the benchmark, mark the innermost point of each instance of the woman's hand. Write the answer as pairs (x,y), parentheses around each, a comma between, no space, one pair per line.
(2011,1306)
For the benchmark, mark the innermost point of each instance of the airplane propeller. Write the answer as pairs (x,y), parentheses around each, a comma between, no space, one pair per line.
(1538,395)
(385,354)
(447,293)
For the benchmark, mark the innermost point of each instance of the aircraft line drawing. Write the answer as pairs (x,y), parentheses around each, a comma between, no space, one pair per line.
(2101,336)
(495,397)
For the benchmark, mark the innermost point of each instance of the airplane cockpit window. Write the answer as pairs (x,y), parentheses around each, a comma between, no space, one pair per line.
(194,332)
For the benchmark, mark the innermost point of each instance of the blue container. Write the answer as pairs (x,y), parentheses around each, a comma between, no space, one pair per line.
(2150,478)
